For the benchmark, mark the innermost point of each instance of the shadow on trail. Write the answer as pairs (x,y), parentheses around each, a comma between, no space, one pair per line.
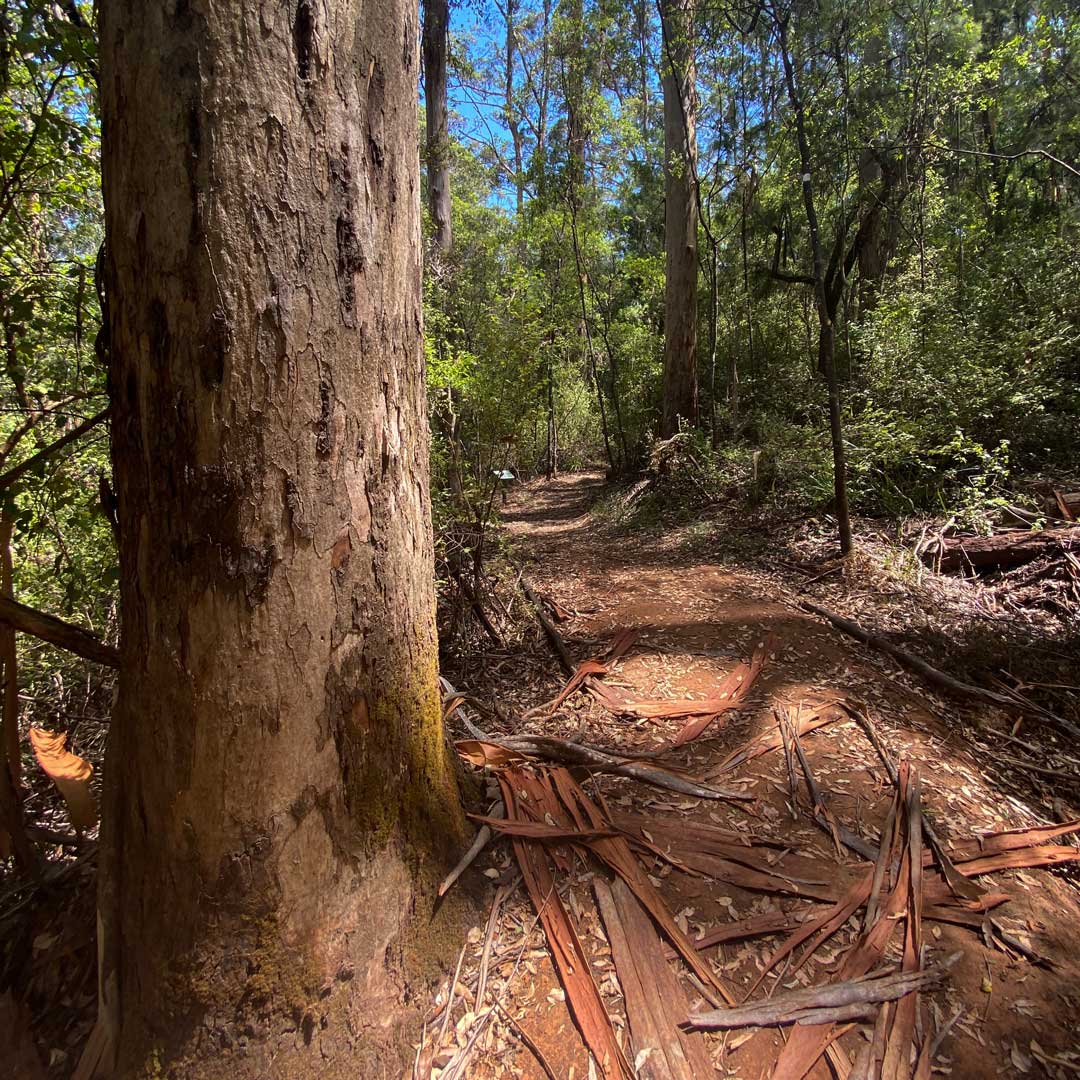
(562,499)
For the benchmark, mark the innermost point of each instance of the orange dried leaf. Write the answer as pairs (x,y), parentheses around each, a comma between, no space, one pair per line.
(477,752)
(69,772)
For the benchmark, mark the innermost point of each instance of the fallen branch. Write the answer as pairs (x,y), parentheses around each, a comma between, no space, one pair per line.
(8,478)
(938,678)
(839,834)
(959,885)
(477,608)
(569,753)
(819,1004)
(1056,774)
(527,1041)
(57,632)
(481,840)
(554,637)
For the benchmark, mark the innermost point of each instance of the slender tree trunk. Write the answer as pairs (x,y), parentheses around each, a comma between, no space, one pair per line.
(448,423)
(680,383)
(825,311)
(552,431)
(714,313)
(573,62)
(512,122)
(642,20)
(436,27)
(279,799)
(13,838)
(9,656)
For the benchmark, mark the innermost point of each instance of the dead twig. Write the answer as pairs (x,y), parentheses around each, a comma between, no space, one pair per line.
(820,1004)
(480,841)
(527,1041)
(555,639)
(1007,700)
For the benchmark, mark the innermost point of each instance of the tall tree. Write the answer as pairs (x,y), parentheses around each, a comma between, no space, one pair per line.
(278,791)
(436,28)
(680,384)
(827,280)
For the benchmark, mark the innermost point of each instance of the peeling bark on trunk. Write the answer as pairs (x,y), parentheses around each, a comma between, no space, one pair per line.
(680,384)
(279,801)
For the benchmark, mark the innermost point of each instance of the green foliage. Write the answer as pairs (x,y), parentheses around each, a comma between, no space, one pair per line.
(50,374)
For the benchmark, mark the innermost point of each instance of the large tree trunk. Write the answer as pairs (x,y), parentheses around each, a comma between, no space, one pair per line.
(680,384)
(279,797)
(436,24)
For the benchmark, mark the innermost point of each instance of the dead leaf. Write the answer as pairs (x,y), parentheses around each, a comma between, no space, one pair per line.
(69,772)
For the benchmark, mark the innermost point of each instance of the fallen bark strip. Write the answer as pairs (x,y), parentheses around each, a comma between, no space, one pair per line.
(655,1000)
(819,716)
(939,678)
(959,885)
(569,958)
(1044,855)
(731,692)
(555,639)
(806,1005)
(1002,550)
(56,632)
(1065,504)
(1015,839)
(588,670)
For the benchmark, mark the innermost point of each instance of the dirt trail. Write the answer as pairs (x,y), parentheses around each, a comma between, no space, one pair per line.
(697,620)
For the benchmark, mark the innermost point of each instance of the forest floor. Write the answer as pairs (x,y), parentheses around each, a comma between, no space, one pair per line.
(698,613)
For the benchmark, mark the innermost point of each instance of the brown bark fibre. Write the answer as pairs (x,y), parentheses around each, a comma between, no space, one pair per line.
(680,386)
(279,803)
(1001,550)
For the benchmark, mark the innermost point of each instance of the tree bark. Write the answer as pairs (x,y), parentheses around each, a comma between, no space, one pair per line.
(436,26)
(279,802)
(513,123)
(13,836)
(680,383)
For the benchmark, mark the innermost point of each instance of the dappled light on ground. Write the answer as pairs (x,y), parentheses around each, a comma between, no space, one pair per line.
(1002,971)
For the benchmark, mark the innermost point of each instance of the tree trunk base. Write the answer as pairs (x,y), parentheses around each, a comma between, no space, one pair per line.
(261,1009)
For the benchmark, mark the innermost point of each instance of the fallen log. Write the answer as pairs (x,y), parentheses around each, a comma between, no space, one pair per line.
(1000,551)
